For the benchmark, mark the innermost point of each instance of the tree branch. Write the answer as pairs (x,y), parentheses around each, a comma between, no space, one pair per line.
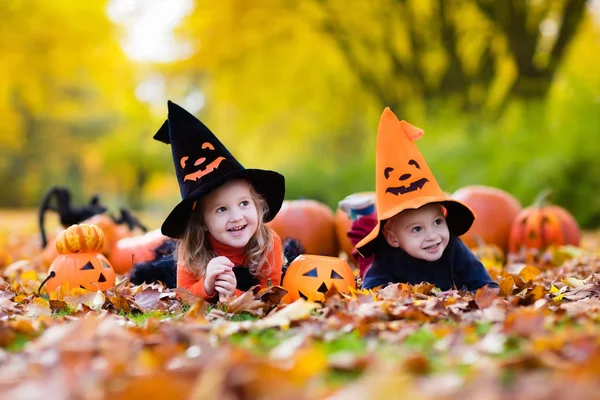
(572,16)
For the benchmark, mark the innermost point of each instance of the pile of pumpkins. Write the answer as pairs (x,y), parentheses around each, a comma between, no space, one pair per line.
(502,227)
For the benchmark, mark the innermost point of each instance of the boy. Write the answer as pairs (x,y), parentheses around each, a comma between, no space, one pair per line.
(416,236)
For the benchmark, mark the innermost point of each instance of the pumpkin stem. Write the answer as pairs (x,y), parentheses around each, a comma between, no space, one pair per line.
(52,275)
(542,198)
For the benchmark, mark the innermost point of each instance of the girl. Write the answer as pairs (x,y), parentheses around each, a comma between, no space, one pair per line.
(224,246)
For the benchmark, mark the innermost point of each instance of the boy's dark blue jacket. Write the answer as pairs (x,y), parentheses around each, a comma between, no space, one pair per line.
(457,267)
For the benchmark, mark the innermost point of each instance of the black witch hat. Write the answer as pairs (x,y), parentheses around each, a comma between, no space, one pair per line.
(202,164)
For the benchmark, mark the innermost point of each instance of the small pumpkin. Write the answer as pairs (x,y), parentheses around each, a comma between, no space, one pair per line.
(542,225)
(130,250)
(81,238)
(495,210)
(80,262)
(311,223)
(311,276)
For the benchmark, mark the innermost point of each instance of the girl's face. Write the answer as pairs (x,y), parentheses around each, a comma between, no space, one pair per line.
(422,233)
(230,214)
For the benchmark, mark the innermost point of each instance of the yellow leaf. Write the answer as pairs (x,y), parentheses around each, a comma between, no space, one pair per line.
(19,298)
(29,275)
(39,301)
(298,310)
(529,273)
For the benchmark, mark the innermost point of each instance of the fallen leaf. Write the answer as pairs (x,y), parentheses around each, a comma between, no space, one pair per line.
(298,310)
(529,273)
(485,296)
(150,300)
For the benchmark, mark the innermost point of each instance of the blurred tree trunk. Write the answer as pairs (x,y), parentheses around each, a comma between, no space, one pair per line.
(517,22)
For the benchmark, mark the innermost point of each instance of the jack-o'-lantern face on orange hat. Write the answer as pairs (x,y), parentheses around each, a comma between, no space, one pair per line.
(404,181)
(202,164)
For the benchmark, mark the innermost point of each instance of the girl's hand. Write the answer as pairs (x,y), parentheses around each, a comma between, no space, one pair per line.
(225,285)
(216,266)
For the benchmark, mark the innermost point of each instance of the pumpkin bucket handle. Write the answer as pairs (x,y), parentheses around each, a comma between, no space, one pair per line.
(51,275)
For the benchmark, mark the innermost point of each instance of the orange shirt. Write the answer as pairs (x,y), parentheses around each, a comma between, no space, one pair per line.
(187,280)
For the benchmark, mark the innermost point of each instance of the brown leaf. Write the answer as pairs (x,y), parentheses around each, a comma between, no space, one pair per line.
(244,302)
(582,292)
(585,306)
(394,291)
(485,296)
(58,305)
(525,321)
(149,300)
(507,285)
(119,302)
(532,295)
(186,296)
(423,288)
(271,295)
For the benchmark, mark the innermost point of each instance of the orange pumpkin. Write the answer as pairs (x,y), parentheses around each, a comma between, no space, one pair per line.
(81,238)
(495,210)
(541,225)
(311,223)
(113,232)
(342,226)
(311,276)
(85,268)
(90,271)
(130,250)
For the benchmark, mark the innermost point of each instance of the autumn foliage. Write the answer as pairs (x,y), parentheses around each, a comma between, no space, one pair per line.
(404,340)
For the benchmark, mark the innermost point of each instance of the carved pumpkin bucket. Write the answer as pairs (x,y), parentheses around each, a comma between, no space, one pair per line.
(80,263)
(311,276)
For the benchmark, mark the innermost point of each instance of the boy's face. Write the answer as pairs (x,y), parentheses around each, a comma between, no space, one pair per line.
(422,233)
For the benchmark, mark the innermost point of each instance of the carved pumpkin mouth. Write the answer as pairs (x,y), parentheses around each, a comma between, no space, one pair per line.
(204,170)
(322,289)
(416,185)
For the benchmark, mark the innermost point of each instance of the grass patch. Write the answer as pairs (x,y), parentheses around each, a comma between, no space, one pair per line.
(141,318)
(260,341)
(243,316)
(61,313)
(18,343)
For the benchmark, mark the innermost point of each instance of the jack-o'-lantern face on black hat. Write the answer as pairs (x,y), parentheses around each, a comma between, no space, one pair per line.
(202,164)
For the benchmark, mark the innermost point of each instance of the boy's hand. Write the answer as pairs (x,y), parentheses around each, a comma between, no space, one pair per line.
(216,266)
(225,285)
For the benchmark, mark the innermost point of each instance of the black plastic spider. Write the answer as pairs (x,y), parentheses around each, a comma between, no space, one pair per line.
(70,215)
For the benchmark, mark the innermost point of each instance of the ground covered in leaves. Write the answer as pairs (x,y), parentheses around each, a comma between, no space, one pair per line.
(539,338)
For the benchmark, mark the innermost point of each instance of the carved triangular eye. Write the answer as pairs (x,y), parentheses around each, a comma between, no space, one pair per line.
(87,266)
(312,273)
(335,275)
(101,278)
(106,265)
(302,295)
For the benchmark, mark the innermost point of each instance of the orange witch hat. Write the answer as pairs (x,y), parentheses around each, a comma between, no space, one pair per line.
(404,181)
